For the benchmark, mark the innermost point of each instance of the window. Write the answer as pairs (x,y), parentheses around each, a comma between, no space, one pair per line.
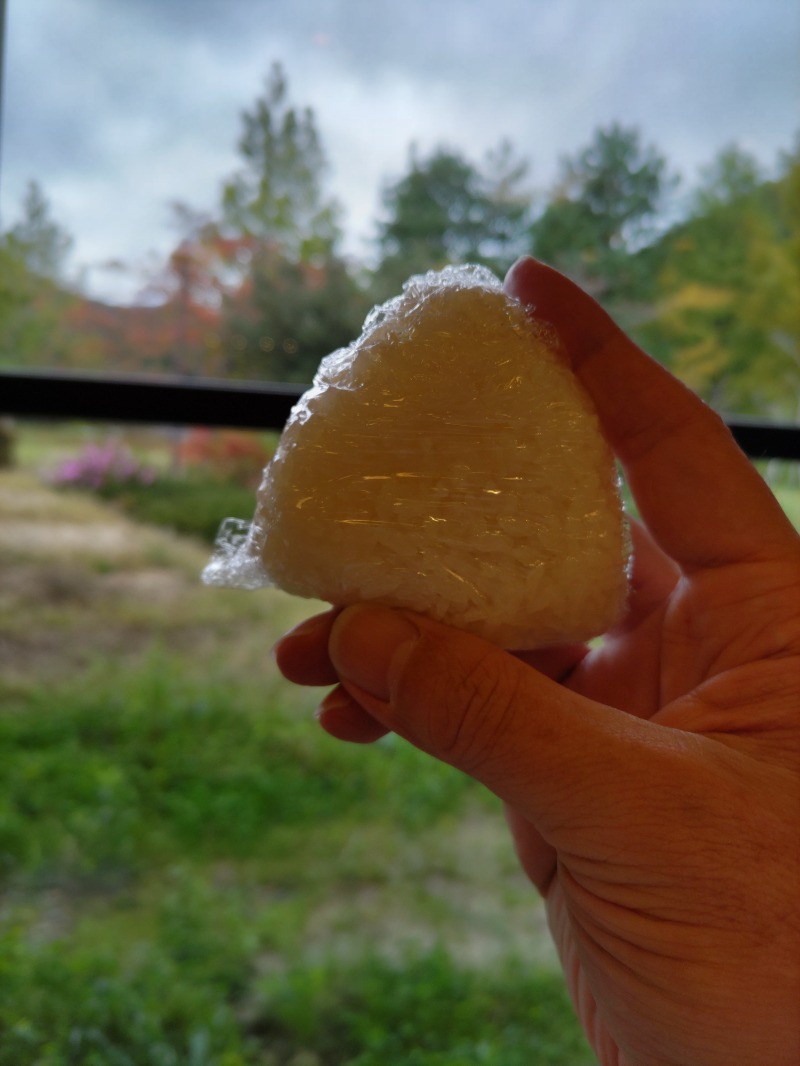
(221,189)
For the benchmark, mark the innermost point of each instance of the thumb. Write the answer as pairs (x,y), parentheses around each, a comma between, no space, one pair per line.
(556,757)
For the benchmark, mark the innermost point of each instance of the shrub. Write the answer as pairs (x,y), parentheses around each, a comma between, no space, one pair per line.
(102,466)
(423,1010)
(68,1006)
(190,505)
(230,455)
(194,505)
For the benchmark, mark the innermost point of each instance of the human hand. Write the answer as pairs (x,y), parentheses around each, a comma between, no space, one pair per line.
(652,783)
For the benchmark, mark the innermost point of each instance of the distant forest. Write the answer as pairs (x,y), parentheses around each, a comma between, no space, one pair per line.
(260,288)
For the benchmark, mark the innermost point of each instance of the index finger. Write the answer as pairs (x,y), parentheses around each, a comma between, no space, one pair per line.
(702,500)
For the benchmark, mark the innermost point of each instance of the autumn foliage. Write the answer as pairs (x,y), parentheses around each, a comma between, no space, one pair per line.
(231,455)
(260,289)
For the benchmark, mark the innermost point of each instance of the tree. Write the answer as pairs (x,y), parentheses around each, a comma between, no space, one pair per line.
(288,315)
(601,218)
(727,318)
(448,210)
(36,239)
(730,177)
(764,336)
(504,177)
(287,297)
(188,290)
(33,296)
(276,196)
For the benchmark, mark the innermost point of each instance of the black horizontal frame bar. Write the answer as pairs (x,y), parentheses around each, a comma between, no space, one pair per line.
(161,400)
(765,440)
(167,400)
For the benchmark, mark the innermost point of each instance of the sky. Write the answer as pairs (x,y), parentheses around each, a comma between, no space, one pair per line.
(118,108)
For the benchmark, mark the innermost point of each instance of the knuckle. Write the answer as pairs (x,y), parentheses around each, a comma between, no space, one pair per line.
(479,706)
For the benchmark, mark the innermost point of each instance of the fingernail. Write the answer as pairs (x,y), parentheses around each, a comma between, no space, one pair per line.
(336,700)
(368,646)
(309,627)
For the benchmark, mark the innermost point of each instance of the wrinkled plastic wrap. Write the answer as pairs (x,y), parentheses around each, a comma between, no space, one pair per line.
(447,461)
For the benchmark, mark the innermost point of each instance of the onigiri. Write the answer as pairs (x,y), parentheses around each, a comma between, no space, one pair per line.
(447,461)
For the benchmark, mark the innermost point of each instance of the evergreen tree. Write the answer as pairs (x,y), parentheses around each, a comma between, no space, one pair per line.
(447,210)
(33,297)
(37,240)
(276,196)
(288,296)
(602,217)
(289,315)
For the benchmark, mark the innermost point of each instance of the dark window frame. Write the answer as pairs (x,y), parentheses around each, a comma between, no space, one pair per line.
(57,395)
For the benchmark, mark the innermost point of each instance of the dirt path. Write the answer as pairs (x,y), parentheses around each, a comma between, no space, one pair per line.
(79,580)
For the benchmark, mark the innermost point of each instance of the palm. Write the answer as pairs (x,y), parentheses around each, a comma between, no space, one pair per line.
(654,667)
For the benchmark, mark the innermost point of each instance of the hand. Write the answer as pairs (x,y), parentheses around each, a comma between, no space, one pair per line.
(652,783)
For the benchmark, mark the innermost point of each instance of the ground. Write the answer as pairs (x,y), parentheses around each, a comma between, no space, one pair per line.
(81,582)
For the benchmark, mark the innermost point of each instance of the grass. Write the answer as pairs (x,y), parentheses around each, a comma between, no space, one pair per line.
(422,1011)
(192,829)
(193,506)
(191,871)
(176,1004)
(122,768)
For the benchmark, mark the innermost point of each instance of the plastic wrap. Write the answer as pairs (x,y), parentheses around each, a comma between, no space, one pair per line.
(447,461)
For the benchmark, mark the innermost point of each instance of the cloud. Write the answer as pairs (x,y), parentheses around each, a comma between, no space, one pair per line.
(120,107)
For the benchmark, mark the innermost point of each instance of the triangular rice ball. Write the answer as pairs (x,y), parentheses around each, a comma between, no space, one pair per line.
(447,461)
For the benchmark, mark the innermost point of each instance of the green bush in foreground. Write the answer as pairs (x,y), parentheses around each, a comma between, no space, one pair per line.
(190,505)
(424,1011)
(68,1007)
(107,773)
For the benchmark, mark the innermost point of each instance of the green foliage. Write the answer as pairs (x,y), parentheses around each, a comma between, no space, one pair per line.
(37,240)
(135,788)
(257,288)
(276,195)
(176,1002)
(293,299)
(191,868)
(102,776)
(16,298)
(447,210)
(192,505)
(600,219)
(169,1003)
(291,314)
(732,176)
(724,319)
(32,304)
(423,1011)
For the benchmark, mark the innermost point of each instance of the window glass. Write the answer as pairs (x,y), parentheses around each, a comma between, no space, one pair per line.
(223,188)
(191,870)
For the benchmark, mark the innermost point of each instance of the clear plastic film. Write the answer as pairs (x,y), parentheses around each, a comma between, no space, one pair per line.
(447,461)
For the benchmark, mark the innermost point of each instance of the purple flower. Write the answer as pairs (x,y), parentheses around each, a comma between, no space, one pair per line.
(102,466)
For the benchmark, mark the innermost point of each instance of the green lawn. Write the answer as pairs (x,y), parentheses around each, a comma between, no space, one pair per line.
(192,872)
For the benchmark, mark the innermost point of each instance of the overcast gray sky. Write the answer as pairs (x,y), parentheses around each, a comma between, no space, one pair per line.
(118,107)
